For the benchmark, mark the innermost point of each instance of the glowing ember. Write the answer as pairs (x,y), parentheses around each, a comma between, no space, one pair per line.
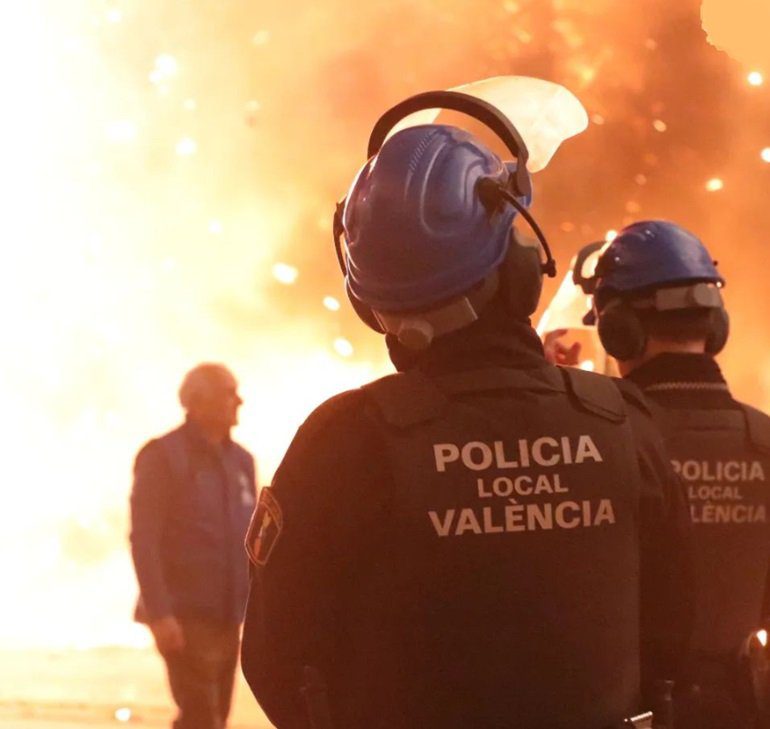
(186,147)
(285,274)
(260,37)
(715,184)
(123,714)
(343,347)
(659,125)
(765,154)
(166,65)
(755,78)
(331,303)
(121,131)
(762,637)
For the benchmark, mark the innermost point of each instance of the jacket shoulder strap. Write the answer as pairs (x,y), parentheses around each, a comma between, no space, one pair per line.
(406,398)
(595,393)
(758,425)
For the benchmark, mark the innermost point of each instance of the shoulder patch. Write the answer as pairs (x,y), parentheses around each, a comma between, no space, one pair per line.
(758,426)
(265,528)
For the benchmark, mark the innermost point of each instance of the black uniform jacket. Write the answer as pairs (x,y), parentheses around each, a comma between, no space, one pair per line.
(721,449)
(468,545)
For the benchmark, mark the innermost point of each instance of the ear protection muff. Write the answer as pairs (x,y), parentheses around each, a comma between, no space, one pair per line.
(524,269)
(621,331)
(521,276)
(720,331)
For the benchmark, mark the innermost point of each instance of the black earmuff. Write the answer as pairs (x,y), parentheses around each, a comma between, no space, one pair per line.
(521,277)
(720,331)
(623,335)
(621,331)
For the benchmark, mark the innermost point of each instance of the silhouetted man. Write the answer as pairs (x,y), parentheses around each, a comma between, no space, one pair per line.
(193,494)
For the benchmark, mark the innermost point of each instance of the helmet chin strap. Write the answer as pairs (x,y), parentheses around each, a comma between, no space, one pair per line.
(418,330)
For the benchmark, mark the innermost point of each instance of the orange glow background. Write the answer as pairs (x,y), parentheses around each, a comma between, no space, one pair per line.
(169,171)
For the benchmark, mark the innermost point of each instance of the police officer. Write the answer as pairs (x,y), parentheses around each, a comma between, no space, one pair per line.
(476,540)
(194,491)
(660,313)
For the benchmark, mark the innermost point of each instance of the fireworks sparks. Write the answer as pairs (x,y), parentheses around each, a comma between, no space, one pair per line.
(261,37)
(186,147)
(343,347)
(121,131)
(285,274)
(199,242)
(123,714)
(331,303)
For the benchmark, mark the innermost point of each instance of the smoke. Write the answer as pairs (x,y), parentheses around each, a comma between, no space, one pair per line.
(160,158)
(740,28)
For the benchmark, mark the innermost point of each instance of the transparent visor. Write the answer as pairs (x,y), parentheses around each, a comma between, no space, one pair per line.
(545,113)
(563,318)
(571,301)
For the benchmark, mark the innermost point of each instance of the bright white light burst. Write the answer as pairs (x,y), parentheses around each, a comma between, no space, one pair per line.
(343,347)
(285,274)
(331,303)
(186,147)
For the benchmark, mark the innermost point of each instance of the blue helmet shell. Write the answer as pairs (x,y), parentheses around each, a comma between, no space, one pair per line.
(416,230)
(652,254)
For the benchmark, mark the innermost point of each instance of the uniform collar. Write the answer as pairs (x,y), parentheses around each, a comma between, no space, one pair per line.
(680,372)
(494,340)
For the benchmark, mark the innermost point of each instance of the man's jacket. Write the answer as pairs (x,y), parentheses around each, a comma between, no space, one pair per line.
(190,506)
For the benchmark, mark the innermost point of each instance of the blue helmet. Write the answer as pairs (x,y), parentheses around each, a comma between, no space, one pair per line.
(416,229)
(650,255)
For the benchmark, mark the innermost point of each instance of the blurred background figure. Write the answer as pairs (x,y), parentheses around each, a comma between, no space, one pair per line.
(193,494)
